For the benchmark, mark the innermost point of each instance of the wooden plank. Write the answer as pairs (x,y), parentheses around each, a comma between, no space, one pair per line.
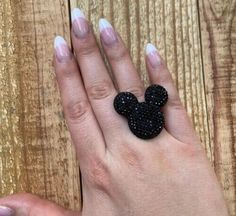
(218,28)
(36,154)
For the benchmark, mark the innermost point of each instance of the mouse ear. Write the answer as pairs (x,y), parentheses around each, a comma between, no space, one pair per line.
(156,95)
(124,103)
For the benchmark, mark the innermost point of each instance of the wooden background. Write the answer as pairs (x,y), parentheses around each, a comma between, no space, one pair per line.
(197,39)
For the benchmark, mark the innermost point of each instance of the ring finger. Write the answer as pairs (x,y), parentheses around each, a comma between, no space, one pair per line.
(97,82)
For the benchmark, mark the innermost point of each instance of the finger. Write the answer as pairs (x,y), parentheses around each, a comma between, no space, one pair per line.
(30,205)
(81,121)
(98,84)
(118,56)
(177,121)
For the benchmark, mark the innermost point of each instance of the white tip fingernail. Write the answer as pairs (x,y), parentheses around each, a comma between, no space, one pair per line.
(150,48)
(59,41)
(79,24)
(77,13)
(62,49)
(104,24)
(108,35)
(153,55)
(6,211)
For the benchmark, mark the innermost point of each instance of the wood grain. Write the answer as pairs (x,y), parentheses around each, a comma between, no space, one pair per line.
(196,38)
(36,154)
(218,27)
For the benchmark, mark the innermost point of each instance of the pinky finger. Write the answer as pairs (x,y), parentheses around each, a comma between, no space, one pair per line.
(82,124)
(177,123)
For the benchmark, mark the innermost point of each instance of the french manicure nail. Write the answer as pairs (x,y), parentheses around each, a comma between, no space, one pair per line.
(153,55)
(107,32)
(62,49)
(6,211)
(79,23)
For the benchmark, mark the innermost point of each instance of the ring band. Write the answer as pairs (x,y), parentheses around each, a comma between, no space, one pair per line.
(145,119)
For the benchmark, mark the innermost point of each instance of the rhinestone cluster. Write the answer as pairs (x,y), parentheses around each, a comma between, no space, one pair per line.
(145,119)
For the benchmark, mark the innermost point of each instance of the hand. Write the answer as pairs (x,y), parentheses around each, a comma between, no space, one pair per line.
(122,174)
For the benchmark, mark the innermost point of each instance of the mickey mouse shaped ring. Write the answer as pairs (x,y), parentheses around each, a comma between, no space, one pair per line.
(145,119)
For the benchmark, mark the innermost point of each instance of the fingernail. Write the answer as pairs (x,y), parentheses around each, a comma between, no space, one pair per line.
(108,35)
(153,55)
(79,23)
(6,211)
(62,49)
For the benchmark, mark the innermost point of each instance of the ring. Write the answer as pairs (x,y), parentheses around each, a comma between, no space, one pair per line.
(145,119)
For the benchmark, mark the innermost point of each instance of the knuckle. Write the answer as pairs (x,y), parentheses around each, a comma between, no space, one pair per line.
(87,48)
(119,54)
(191,150)
(100,90)
(138,91)
(68,73)
(67,70)
(165,76)
(98,173)
(77,110)
(176,104)
(132,157)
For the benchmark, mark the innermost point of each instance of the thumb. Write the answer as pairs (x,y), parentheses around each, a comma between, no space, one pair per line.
(30,205)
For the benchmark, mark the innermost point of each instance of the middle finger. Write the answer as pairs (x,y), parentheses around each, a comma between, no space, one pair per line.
(126,75)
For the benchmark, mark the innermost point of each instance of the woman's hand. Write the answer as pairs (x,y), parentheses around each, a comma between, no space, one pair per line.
(123,175)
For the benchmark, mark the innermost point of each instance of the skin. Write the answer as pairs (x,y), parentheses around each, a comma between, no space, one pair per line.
(122,174)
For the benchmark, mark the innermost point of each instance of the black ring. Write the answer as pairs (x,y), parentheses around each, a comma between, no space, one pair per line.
(145,119)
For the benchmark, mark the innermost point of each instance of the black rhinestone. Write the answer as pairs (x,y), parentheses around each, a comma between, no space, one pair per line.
(156,95)
(124,103)
(146,121)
